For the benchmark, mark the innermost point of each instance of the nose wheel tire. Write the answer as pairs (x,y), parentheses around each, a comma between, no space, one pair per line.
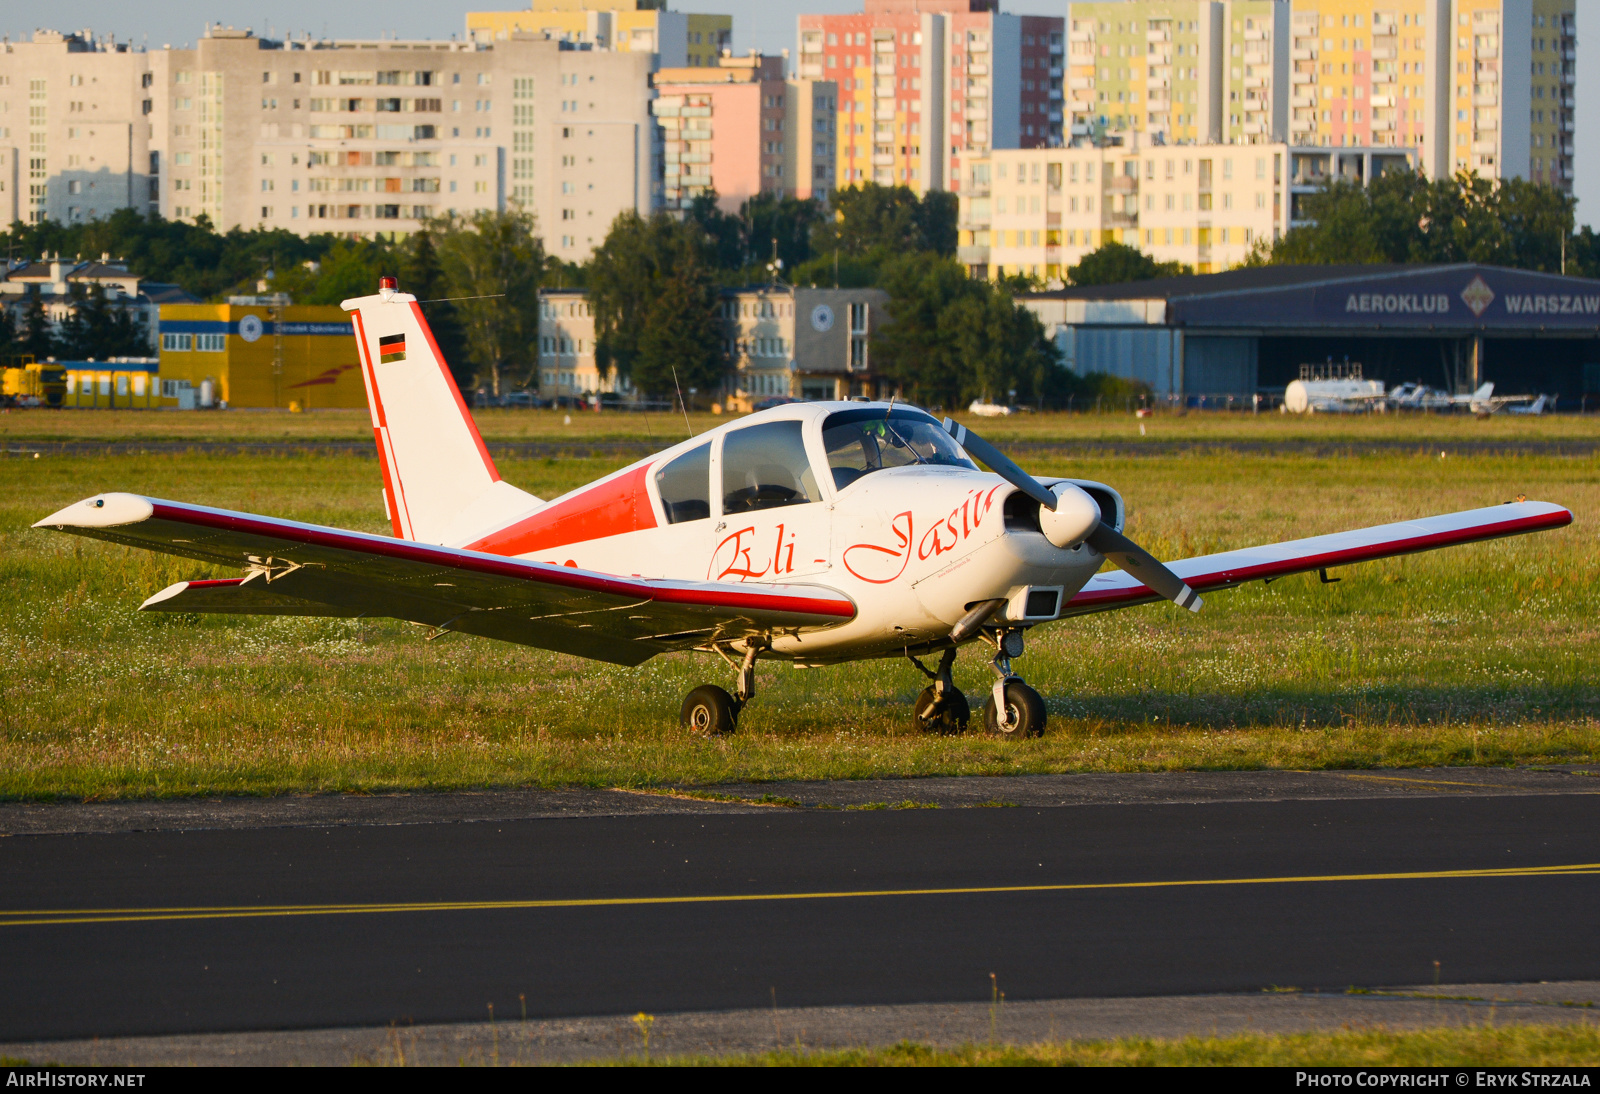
(1024,711)
(709,710)
(950,717)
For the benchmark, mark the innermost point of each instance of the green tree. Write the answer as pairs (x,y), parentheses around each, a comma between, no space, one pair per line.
(350,268)
(725,233)
(207,263)
(783,225)
(1403,217)
(682,344)
(888,220)
(34,334)
(952,339)
(98,327)
(640,263)
(422,274)
(1116,263)
(496,261)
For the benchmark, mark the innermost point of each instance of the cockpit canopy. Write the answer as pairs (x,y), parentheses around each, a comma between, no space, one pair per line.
(766,466)
(859,442)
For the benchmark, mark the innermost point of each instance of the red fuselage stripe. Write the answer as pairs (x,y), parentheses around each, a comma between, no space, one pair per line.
(1345,557)
(513,568)
(618,505)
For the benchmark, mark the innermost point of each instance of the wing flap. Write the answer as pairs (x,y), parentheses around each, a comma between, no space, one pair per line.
(333,571)
(235,596)
(1119,589)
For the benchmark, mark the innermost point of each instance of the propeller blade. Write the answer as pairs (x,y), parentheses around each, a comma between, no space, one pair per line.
(1109,542)
(1144,566)
(1000,464)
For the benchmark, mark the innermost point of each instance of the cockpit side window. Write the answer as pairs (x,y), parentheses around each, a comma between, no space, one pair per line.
(765,466)
(684,484)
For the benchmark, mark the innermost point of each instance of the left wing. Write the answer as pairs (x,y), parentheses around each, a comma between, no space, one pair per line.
(307,569)
(1120,589)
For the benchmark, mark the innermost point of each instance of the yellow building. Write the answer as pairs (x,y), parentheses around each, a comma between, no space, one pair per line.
(681,40)
(260,356)
(121,383)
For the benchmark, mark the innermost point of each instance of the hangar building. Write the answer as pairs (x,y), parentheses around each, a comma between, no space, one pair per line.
(1247,331)
(257,353)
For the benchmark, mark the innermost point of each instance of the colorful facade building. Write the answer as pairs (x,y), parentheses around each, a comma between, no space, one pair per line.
(1037,212)
(742,128)
(1180,71)
(677,39)
(926,85)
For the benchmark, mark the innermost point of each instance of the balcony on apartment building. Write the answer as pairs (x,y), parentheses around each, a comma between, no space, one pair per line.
(1302,77)
(1159,34)
(1302,55)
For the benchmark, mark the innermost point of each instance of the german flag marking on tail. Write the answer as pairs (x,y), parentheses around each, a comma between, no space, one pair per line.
(392,347)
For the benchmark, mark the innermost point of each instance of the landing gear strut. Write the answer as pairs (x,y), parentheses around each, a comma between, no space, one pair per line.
(1013,709)
(940,708)
(709,709)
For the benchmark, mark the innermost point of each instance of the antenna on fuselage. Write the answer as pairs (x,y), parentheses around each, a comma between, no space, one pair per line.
(681,404)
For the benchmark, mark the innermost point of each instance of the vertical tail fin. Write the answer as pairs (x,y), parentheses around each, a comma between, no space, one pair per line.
(439,482)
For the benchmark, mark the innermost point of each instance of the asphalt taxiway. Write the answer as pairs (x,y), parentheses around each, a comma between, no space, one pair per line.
(410,910)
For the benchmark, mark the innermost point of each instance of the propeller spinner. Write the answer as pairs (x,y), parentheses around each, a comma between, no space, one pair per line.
(1067,516)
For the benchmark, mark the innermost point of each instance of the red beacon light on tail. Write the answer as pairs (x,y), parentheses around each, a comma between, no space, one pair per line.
(388,286)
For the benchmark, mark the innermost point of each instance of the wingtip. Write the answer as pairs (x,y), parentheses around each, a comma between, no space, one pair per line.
(101,511)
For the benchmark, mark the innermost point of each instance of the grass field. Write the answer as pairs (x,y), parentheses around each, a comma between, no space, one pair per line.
(505,426)
(1482,654)
(1508,1046)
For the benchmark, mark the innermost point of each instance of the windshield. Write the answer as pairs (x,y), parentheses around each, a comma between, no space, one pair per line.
(859,442)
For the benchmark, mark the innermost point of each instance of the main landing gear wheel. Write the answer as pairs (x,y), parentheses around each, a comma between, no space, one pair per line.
(709,710)
(1024,716)
(949,717)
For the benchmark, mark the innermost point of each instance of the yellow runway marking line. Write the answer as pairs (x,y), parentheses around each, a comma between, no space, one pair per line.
(66,916)
(1422,782)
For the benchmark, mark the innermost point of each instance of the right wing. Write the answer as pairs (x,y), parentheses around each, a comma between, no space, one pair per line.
(1119,589)
(307,569)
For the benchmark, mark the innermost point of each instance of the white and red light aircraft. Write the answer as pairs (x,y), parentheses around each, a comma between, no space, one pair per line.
(815,533)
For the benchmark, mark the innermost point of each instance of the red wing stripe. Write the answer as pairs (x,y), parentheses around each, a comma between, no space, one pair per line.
(1343,557)
(834,606)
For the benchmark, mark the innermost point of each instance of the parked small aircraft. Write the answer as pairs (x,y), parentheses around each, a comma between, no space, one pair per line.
(814,533)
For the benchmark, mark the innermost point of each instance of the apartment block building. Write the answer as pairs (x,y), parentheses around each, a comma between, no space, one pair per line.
(1180,70)
(365,138)
(742,128)
(76,132)
(1452,78)
(1037,212)
(677,39)
(781,341)
(1477,85)
(925,85)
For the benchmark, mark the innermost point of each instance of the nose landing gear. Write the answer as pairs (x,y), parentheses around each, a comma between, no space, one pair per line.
(1013,709)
